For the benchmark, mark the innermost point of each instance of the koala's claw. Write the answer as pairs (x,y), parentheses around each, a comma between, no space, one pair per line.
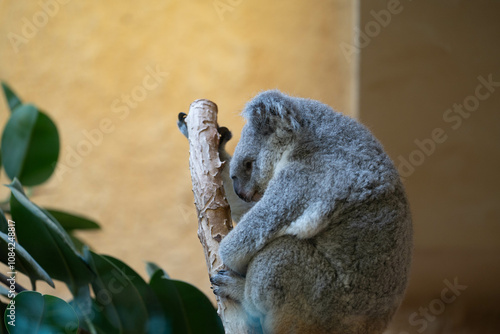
(222,278)
(182,116)
(181,124)
(228,284)
(225,134)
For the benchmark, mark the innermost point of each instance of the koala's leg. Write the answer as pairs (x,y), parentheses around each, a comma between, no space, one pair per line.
(289,286)
(293,288)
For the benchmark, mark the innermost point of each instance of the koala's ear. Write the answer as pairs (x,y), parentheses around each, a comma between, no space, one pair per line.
(272,111)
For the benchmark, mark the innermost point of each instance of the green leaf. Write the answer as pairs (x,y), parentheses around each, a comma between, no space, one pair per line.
(72,222)
(185,307)
(30,146)
(40,314)
(48,243)
(86,310)
(12,100)
(96,322)
(16,138)
(157,323)
(4,224)
(24,262)
(69,225)
(3,330)
(117,297)
(152,268)
(79,244)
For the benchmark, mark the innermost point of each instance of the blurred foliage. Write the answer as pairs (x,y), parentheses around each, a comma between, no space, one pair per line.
(108,296)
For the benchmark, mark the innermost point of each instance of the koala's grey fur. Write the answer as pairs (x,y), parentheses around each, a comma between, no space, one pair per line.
(327,246)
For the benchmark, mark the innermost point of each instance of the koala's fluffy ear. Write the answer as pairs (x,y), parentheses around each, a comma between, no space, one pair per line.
(272,111)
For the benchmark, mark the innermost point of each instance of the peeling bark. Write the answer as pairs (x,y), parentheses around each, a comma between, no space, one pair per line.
(214,216)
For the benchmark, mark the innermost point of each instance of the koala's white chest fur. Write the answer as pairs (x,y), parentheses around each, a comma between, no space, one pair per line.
(308,224)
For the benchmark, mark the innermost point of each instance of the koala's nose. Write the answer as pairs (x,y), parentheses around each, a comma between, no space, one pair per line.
(236,184)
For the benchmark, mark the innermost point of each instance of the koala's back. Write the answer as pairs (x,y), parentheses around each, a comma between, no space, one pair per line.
(367,240)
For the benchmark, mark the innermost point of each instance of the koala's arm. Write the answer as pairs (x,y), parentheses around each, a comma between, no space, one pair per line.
(237,205)
(286,208)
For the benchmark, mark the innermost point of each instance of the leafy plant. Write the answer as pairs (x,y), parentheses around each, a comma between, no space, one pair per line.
(107,295)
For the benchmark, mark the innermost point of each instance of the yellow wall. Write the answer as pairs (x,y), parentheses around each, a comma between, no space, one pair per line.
(83,61)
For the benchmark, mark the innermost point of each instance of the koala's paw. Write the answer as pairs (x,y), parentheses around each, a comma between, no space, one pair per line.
(181,124)
(228,284)
(225,134)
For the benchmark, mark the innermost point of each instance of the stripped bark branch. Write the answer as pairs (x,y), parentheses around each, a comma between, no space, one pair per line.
(214,216)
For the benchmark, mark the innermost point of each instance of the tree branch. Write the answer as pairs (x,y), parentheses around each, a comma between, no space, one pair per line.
(214,217)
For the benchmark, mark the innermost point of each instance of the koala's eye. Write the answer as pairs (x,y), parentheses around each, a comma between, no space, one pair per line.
(248,165)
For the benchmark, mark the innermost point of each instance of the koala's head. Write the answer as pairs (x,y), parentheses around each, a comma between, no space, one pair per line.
(273,121)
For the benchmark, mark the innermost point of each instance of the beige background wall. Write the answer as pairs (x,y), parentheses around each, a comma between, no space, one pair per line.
(414,74)
(90,61)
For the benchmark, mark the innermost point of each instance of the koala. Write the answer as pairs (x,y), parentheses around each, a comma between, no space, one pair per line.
(326,245)
(236,204)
